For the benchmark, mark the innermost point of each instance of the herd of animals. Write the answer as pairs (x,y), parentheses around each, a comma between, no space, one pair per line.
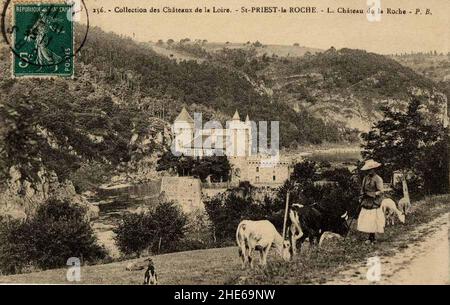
(313,222)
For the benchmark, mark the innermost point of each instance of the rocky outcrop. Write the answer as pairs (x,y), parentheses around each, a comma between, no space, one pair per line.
(21,199)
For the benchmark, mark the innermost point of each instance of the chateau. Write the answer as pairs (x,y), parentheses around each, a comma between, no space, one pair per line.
(238,142)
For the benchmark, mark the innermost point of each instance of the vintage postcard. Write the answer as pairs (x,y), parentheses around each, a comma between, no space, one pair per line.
(211,142)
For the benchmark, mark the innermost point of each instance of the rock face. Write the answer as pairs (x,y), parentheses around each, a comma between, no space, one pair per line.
(21,199)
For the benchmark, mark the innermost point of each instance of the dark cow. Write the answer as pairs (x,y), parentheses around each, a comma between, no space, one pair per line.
(312,221)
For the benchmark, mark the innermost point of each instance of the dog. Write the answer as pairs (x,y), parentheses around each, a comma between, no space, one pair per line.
(150,277)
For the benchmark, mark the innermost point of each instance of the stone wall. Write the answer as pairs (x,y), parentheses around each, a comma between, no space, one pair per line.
(186,191)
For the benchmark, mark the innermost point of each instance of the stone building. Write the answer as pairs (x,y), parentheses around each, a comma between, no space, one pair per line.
(263,171)
(237,142)
(211,138)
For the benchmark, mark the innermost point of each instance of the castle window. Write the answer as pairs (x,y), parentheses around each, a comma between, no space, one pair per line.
(274,178)
(257,179)
(257,169)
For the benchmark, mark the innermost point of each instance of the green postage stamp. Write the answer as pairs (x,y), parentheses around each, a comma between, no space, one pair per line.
(43,40)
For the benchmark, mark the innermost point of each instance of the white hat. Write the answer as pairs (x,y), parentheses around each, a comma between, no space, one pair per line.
(370,164)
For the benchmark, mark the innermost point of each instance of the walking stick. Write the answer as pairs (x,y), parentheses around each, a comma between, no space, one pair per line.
(285,214)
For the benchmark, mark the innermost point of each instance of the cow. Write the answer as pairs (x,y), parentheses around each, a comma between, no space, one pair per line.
(260,236)
(150,276)
(391,211)
(312,221)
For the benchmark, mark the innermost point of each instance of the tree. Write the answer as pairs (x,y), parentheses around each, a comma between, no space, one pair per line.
(257,44)
(344,194)
(304,172)
(435,167)
(218,167)
(403,141)
(158,230)
(167,162)
(170,222)
(134,233)
(57,232)
(225,213)
(185,165)
(54,129)
(184,40)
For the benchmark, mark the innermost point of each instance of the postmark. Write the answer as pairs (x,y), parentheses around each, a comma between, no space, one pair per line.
(41,36)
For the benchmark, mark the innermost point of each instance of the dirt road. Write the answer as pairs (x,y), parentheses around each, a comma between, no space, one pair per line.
(425,261)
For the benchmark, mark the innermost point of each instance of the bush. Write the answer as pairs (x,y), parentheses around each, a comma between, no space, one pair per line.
(89,175)
(158,230)
(58,231)
(341,196)
(13,246)
(226,211)
(134,233)
(198,226)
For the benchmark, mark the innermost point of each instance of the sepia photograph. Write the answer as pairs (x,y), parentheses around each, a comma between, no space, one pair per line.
(196,143)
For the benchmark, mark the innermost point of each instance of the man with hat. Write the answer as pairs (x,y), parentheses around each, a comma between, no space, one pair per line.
(371,218)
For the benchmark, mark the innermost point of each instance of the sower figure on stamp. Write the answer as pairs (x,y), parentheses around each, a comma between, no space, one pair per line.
(39,32)
(371,218)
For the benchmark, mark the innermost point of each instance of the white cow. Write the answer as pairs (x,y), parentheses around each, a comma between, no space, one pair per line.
(261,236)
(390,210)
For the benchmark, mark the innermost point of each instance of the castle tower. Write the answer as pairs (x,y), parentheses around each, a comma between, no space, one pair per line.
(249,136)
(236,116)
(183,131)
(239,134)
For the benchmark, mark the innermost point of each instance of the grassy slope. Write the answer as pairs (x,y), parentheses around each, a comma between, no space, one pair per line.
(213,266)
(220,266)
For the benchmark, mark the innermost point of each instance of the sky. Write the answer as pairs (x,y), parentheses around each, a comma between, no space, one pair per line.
(392,34)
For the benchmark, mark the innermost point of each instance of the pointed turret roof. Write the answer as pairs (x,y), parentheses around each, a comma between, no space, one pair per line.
(184,116)
(247,119)
(236,116)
